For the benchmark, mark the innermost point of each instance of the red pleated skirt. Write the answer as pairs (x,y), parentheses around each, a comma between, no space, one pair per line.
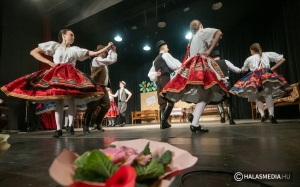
(63,81)
(113,110)
(195,82)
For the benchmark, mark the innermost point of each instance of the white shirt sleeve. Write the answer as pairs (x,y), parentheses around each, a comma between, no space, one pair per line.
(116,94)
(246,64)
(128,92)
(273,57)
(48,47)
(152,74)
(172,62)
(207,35)
(232,68)
(110,59)
(80,53)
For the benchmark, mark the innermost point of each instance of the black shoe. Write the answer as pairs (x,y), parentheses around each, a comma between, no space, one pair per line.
(99,128)
(199,128)
(71,130)
(86,129)
(273,120)
(123,124)
(67,129)
(165,125)
(57,134)
(94,127)
(231,122)
(223,119)
(263,118)
(190,118)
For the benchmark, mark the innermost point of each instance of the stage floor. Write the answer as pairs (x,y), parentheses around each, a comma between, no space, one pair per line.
(248,146)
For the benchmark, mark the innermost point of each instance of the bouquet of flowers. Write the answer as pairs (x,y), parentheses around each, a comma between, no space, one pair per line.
(139,163)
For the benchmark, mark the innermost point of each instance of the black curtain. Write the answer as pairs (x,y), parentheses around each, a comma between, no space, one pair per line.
(274,25)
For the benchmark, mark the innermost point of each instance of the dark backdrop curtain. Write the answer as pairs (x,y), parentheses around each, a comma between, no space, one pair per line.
(274,25)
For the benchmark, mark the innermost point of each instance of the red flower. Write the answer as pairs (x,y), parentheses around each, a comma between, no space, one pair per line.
(124,177)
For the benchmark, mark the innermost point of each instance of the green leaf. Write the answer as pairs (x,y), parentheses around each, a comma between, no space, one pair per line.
(166,158)
(144,90)
(151,83)
(143,82)
(146,150)
(148,84)
(153,88)
(80,161)
(147,89)
(152,170)
(141,85)
(96,168)
(88,175)
(112,146)
(150,89)
(141,89)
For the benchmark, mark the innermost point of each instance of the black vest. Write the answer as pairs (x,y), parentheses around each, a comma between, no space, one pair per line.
(223,67)
(160,64)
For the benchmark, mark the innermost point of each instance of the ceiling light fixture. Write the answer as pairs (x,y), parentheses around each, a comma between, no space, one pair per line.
(161,24)
(146,48)
(188,36)
(216,6)
(134,27)
(118,38)
(186,9)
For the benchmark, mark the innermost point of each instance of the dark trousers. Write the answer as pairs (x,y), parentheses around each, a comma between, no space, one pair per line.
(160,83)
(103,103)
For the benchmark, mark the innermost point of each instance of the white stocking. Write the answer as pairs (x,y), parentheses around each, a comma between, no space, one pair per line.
(71,110)
(66,118)
(260,107)
(270,104)
(197,113)
(59,113)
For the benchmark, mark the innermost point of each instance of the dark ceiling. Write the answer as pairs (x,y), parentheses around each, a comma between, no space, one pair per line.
(99,21)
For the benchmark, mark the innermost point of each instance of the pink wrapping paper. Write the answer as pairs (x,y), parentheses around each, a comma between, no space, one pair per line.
(62,168)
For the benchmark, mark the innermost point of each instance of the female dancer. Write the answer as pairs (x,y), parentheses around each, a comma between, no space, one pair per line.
(113,111)
(62,83)
(199,79)
(262,84)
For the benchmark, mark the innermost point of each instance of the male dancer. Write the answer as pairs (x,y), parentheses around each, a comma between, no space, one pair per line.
(164,64)
(99,73)
(225,65)
(122,101)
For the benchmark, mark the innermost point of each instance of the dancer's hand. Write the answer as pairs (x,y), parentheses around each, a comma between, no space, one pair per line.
(52,64)
(110,44)
(113,48)
(158,73)
(206,53)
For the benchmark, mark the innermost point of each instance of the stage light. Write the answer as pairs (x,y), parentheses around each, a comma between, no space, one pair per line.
(216,6)
(118,38)
(146,48)
(188,36)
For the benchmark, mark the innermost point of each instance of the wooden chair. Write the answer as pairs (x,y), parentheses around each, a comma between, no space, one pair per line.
(254,111)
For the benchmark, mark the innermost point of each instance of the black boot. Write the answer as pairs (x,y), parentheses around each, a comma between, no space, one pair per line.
(86,122)
(124,121)
(190,118)
(221,112)
(272,119)
(229,113)
(71,130)
(165,116)
(99,120)
(263,118)
(57,134)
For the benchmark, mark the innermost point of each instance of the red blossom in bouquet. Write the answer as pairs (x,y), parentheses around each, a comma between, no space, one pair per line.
(121,165)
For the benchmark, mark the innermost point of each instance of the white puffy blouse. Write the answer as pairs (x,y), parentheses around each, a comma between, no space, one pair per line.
(255,61)
(62,54)
(201,41)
